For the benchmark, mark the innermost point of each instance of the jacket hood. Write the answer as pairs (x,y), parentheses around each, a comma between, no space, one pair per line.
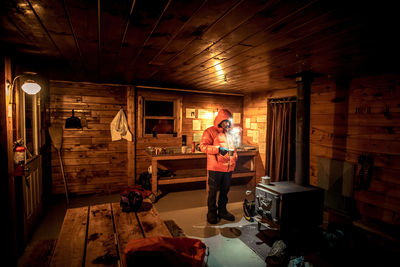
(223,114)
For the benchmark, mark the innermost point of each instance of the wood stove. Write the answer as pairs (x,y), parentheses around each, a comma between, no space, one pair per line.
(289,207)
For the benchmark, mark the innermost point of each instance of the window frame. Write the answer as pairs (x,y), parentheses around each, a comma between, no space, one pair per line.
(177,116)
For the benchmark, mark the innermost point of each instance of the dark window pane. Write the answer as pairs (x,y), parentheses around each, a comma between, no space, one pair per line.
(159,108)
(159,126)
(28,122)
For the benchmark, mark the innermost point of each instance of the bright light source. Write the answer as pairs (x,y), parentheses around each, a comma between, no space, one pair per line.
(235,130)
(220,72)
(31,87)
(236,136)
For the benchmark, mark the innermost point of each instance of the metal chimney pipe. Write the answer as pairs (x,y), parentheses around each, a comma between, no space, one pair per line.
(303,129)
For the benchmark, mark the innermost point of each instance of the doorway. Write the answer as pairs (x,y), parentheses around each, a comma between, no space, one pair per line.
(28,187)
(281,137)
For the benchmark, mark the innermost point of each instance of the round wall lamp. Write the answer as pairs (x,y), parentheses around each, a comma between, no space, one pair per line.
(30,86)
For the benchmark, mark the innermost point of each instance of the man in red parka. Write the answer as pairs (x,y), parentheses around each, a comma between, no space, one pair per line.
(221,161)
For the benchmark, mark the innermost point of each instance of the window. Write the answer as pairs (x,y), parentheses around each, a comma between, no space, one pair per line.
(161,116)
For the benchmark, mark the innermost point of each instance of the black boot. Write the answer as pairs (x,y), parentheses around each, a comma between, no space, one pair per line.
(212,217)
(224,214)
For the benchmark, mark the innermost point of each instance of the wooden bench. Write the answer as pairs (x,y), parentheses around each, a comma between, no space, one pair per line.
(97,235)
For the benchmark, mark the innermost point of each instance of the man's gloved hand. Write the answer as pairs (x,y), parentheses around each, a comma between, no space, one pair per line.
(223,150)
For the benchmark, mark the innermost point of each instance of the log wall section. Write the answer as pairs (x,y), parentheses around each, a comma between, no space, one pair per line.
(348,119)
(211,102)
(92,162)
(255,109)
(363,118)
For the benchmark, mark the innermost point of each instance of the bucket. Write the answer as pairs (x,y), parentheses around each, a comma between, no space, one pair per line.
(265,180)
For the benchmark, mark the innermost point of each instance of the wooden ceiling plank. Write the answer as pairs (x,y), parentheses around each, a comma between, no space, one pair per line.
(263,66)
(235,17)
(324,54)
(132,67)
(202,20)
(264,69)
(257,53)
(98,38)
(12,34)
(258,74)
(141,23)
(174,19)
(250,18)
(60,33)
(241,39)
(291,24)
(24,18)
(234,78)
(185,24)
(256,86)
(153,65)
(83,19)
(114,22)
(288,36)
(44,27)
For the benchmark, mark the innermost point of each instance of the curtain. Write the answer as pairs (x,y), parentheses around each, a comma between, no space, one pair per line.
(280,152)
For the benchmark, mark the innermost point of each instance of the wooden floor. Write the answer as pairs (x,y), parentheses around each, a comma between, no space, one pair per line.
(188,210)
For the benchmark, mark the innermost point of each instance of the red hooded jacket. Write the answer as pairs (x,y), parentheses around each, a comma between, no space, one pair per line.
(215,137)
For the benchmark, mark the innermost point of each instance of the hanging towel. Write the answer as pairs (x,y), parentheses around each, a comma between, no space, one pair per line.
(119,127)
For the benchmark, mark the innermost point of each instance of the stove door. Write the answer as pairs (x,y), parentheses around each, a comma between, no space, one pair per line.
(268,204)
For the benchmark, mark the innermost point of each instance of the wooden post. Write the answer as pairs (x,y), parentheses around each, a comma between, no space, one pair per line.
(6,160)
(131,117)
(154,182)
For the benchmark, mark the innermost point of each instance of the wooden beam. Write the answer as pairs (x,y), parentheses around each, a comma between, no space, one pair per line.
(100,243)
(131,117)
(127,228)
(188,90)
(6,158)
(150,221)
(69,249)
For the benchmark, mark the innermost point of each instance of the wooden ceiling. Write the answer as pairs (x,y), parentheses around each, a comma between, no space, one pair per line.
(218,45)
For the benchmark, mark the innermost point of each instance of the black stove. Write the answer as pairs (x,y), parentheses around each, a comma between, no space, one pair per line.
(289,207)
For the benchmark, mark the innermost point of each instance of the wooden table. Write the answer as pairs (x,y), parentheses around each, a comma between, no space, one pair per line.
(97,235)
(200,176)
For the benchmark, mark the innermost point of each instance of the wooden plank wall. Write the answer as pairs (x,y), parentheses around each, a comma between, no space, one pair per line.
(349,119)
(363,118)
(255,109)
(92,162)
(212,102)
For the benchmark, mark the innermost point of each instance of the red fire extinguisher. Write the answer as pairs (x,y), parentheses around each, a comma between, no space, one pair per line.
(19,157)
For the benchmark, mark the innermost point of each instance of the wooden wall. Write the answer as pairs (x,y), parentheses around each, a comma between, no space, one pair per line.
(189,100)
(348,119)
(361,116)
(93,163)
(255,109)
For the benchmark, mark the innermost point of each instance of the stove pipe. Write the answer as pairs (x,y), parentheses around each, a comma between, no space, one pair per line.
(303,129)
